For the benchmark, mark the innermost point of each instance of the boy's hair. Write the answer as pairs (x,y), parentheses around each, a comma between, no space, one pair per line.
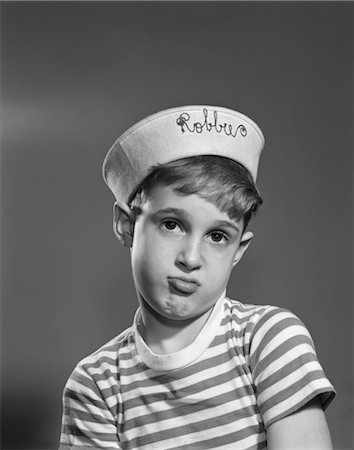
(219,180)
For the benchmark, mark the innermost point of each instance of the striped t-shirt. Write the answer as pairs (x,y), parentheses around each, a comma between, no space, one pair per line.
(249,366)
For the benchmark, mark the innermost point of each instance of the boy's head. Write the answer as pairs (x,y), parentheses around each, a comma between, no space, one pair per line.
(185,191)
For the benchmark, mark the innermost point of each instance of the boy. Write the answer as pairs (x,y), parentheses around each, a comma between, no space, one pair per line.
(196,370)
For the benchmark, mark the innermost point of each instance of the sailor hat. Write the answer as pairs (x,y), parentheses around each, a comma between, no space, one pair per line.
(177,133)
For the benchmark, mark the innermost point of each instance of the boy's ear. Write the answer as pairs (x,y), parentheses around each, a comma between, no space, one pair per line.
(123,223)
(244,243)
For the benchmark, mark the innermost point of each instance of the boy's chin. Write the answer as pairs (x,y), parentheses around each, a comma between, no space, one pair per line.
(176,308)
(173,313)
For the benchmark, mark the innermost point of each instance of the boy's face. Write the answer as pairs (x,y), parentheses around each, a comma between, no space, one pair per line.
(183,251)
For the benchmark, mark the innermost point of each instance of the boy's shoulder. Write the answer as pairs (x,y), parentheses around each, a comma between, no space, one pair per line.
(251,313)
(242,308)
(261,322)
(108,354)
(253,310)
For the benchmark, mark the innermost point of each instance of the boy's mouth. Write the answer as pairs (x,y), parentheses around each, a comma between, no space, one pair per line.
(183,285)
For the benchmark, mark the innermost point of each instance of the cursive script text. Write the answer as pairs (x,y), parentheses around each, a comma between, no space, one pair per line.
(207,125)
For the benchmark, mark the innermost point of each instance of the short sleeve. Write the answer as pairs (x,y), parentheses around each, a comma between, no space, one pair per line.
(285,369)
(88,420)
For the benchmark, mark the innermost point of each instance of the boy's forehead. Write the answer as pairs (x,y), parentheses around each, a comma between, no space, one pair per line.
(180,133)
(168,200)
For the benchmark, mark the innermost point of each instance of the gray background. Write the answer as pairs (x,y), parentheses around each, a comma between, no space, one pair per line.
(74,76)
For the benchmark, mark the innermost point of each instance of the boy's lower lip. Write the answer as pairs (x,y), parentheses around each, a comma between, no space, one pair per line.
(186,287)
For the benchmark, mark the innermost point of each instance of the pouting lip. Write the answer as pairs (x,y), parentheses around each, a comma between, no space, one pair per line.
(185,280)
(182,286)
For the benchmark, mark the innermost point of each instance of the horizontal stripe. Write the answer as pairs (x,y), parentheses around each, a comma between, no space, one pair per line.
(207,370)
(79,413)
(83,398)
(280,337)
(288,350)
(221,353)
(88,437)
(71,406)
(86,444)
(98,430)
(103,363)
(282,367)
(88,393)
(222,382)
(278,327)
(298,377)
(292,394)
(296,401)
(104,373)
(242,405)
(228,441)
(200,431)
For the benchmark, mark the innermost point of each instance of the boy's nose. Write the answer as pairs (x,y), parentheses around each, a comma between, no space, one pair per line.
(190,257)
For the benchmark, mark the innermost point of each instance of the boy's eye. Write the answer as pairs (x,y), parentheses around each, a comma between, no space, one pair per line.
(218,236)
(171,225)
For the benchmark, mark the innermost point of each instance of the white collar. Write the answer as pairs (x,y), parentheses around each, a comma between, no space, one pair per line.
(184,357)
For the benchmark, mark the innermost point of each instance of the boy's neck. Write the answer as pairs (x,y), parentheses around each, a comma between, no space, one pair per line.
(163,335)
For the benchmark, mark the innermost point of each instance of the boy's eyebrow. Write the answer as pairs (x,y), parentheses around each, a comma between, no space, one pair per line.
(226,223)
(181,212)
(169,211)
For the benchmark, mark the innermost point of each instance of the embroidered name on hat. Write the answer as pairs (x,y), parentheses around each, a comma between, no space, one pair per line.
(199,127)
